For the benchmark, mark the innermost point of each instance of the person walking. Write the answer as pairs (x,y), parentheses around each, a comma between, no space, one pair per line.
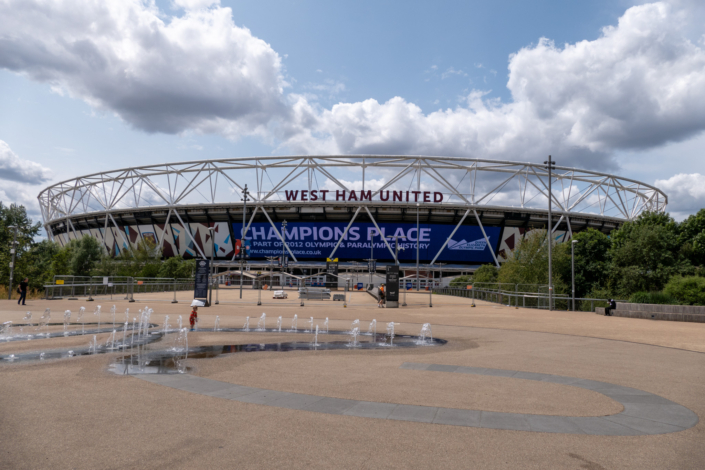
(380,302)
(22,290)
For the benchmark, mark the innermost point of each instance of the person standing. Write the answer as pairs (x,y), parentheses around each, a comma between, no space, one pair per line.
(380,302)
(193,318)
(22,290)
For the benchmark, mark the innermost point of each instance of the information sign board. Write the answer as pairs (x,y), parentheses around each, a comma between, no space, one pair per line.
(201,285)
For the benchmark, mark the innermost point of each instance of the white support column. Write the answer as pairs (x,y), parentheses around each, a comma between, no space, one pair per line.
(344,233)
(188,230)
(161,239)
(477,217)
(245,230)
(570,229)
(286,245)
(451,236)
(555,227)
(72,228)
(122,235)
(380,233)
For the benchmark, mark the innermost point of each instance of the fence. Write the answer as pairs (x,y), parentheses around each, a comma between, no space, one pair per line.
(537,297)
(90,286)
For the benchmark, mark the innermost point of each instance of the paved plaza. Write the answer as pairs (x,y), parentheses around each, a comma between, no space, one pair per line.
(511,388)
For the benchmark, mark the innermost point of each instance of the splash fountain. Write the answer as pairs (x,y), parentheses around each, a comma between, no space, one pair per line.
(390,332)
(97,312)
(315,338)
(81,311)
(353,338)
(426,336)
(246,326)
(44,320)
(67,320)
(262,323)
(216,327)
(372,329)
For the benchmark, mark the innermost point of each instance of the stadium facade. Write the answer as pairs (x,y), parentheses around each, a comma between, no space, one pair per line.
(457,212)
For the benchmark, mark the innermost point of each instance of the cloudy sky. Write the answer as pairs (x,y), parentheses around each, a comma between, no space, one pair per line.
(610,85)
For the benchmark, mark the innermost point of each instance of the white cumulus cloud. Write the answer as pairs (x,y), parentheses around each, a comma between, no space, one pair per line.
(14,168)
(197,71)
(686,192)
(195,4)
(639,85)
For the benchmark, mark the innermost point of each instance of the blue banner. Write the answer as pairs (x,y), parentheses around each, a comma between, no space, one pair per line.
(316,240)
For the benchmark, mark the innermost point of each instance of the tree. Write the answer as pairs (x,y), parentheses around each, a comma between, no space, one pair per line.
(592,262)
(691,238)
(485,273)
(644,259)
(38,266)
(86,254)
(528,262)
(15,215)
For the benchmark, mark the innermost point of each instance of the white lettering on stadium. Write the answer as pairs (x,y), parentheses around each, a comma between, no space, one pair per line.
(361,195)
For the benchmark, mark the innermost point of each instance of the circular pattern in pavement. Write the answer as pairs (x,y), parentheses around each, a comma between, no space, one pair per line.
(644,413)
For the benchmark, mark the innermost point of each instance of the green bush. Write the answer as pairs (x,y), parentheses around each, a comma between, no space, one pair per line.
(585,305)
(659,298)
(689,290)
(461,281)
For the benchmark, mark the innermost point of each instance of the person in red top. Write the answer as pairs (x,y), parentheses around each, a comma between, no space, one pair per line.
(193,318)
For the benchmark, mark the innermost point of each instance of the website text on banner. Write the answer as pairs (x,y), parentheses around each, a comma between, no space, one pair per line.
(316,240)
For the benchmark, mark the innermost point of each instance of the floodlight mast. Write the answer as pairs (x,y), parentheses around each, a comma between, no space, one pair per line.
(210,291)
(244,236)
(549,234)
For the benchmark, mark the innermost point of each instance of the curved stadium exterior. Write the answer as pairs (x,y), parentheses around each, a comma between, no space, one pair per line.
(463,212)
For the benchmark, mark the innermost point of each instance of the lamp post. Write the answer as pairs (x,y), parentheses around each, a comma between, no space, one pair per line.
(283,250)
(372,246)
(210,291)
(550,166)
(418,238)
(271,260)
(440,274)
(572,268)
(243,235)
(13,250)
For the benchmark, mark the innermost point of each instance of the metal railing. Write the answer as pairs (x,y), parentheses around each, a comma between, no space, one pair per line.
(95,286)
(536,298)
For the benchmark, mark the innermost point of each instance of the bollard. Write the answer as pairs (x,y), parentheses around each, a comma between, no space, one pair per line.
(132,289)
(259,296)
(430,295)
(174,301)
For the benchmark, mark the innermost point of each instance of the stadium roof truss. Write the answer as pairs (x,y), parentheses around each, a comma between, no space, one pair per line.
(460,183)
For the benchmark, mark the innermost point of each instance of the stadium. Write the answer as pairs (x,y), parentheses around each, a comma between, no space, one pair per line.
(429,214)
